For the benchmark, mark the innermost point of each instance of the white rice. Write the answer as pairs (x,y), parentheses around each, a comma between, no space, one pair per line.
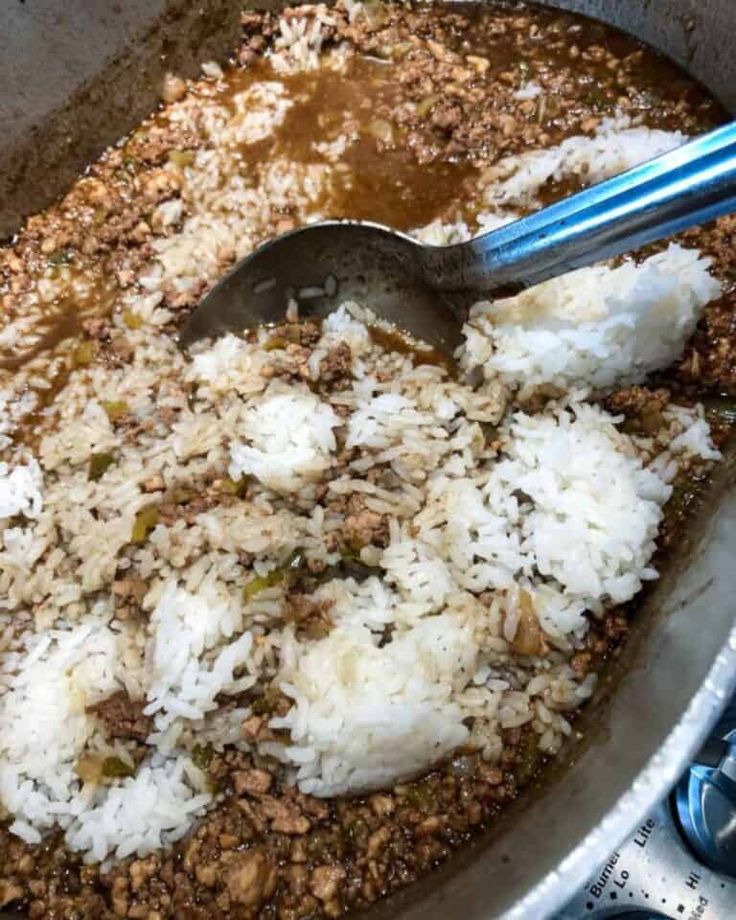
(595,327)
(365,716)
(291,438)
(141,814)
(229,365)
(44,724)
(595,541)
(20,490)
(615,147)
(184,684)
(562,464)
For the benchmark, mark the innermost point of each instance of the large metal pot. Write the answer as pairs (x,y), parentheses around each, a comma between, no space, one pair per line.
(76,74)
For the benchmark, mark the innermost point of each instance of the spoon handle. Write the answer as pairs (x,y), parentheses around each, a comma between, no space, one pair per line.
(687,186)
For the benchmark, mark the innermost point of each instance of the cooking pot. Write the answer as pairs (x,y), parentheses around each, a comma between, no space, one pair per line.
(74,76)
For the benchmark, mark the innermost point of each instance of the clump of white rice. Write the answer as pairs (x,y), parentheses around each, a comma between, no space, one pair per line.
(342,326)
(142,813)
(228,364)
(45,726)
(184,684)
(291,438)
(546,510)
(590,510)
(365,716)
(299,43)
(21,489)
(615,147)
(595,327)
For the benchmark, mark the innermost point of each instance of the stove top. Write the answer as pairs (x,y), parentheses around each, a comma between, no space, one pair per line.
(680,862)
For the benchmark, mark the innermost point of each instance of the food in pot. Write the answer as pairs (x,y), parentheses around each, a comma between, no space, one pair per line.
(288,619)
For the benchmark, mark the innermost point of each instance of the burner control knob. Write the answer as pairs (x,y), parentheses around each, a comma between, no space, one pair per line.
(705,804)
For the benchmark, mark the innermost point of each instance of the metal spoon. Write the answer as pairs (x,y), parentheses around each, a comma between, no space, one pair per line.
(427,290)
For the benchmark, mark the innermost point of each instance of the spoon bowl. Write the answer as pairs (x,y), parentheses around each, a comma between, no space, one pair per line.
(323,265)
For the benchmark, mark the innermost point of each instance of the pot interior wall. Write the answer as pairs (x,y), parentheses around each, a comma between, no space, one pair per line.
(75,75)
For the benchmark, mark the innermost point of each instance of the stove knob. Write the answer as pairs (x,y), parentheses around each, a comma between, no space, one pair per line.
(705,805)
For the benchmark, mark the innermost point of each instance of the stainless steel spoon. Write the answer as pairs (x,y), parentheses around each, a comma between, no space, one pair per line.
(428,289)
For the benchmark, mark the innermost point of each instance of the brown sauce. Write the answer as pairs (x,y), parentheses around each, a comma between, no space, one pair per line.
(382,181)
(56,328)
(394,340)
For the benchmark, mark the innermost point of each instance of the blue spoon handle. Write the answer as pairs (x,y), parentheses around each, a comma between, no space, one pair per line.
(685,187)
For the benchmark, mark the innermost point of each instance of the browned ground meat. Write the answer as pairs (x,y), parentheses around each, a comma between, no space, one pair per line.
(637,400)
(335,366)
(710,358)
(312,618)
(362,526)
(641,406)
(128,592)
(123,717)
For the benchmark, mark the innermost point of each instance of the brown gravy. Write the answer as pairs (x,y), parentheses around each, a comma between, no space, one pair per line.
(382,182)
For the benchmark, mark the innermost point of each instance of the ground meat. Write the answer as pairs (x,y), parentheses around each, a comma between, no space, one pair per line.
(112,344)
(580,663)
(642,407)
(252,782)
(325,880)
(312,618)
(253,728)
(364,526)
(634,401)
(123,717)
(382,804)
(186,501)
(335,367)
(284,815)
(605,639)
(250,877)
(121,349)
(9,893)
(167,415)
(97,327)
(177,299)
(306,333)
(292,363)
(127,593)
(154,484)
